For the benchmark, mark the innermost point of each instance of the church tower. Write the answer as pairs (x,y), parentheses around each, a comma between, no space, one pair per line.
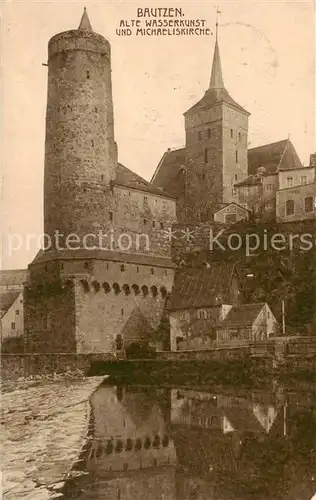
(216,147)
(80,151)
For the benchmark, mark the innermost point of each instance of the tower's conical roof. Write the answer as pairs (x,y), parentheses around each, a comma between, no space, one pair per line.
(85,22)
(216,81)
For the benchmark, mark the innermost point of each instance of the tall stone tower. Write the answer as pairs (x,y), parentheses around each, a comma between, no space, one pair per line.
(80,151)
(84,294)
(216,147)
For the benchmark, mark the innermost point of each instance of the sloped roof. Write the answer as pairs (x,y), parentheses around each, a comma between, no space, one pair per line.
(13,277)
(243,315)
(110,255)
(201,287)
(6,301)
(168,172)
(212,97)
(225,205)
(125,177)
(251,180)
(85,22)
(243,419)
(273,157)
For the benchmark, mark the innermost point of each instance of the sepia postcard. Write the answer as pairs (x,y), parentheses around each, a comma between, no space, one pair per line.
(158,250)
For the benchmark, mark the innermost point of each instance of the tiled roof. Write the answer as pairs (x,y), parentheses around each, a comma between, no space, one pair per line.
(213,97)
(6,301)
(168,172)
(243,315)
(125,177)
(251,180)
(13,277)
(201,287)
(273,157)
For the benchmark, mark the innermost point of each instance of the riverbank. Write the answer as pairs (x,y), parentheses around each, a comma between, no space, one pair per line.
(246,372)
(45,423)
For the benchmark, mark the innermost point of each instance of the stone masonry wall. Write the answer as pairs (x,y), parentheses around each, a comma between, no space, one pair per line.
(124,299)
(80,151)
(49,317)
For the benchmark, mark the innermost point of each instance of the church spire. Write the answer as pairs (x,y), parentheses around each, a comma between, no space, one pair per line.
(85,23)
(217,81)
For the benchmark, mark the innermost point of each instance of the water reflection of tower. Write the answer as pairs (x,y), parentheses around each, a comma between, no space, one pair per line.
(130,431)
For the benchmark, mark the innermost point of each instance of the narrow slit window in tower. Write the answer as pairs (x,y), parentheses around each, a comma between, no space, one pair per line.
(205,155)
(236,156)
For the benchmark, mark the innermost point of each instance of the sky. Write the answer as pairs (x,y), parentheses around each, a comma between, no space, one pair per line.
(268,58)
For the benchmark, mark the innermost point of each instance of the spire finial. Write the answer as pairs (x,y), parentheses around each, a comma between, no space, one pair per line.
(217,12)
(85,23)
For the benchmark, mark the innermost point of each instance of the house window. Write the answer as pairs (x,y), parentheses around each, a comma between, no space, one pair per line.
(88,75)
(102,177)
(231,133)
(111,216)
(145,199)
(209,133)
(309,204)
(95,109)
(154,223)
(205,155)
(236,177)
(203,176)
(202,314)
(289,181)
(17,312)
(269,187)
(152,271)
(92,143)
(145,222)
(304,179)
(161,225)
(290,207)
(236,156)
(12,326)
(122,268)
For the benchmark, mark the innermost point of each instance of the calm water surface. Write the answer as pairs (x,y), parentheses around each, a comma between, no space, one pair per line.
(186,444)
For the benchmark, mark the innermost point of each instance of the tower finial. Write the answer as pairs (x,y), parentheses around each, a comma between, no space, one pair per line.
(216,76)
(85,23)
(217,12)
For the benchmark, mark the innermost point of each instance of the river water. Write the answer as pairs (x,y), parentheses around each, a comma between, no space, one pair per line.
(151,443)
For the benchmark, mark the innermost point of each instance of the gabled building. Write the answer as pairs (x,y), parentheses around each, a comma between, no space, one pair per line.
(11,306)
(200,299)
(215,168)
(247,322)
